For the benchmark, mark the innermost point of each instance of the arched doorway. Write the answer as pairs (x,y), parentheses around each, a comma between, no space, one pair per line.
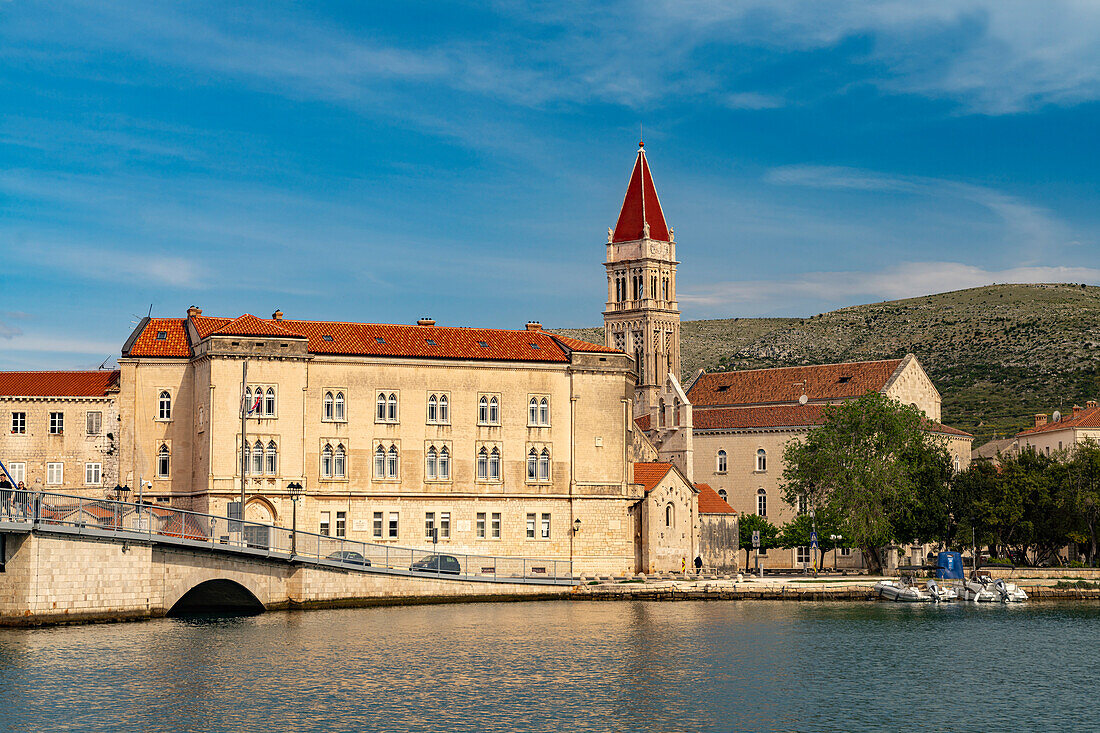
(260,517)
(217,597)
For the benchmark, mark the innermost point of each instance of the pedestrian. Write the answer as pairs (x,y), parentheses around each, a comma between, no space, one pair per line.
(698,564)
(5,496)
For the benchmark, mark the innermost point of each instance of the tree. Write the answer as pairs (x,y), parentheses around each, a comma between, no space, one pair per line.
(1083,491)
(796,533)
(769,533)
(867,461)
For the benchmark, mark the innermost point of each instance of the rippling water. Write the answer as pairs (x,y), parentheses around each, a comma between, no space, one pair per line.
(685,666)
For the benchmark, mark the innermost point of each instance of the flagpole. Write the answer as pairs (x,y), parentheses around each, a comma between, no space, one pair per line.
(244,441)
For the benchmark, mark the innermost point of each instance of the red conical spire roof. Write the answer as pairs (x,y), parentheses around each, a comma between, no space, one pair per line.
(641,206)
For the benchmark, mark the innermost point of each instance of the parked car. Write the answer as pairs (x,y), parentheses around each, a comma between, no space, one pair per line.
(349,556)
(438,564)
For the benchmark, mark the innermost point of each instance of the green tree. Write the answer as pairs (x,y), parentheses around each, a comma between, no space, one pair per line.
(796,533)
(867,461)
(749,523)
(1083,491)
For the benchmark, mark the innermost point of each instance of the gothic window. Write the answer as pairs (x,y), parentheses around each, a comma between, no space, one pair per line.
(340,462)
(762,502)
(444,411)
(544,465)
(431,468)
(258,458)
(494,411)
(532,464)
(670,515)
(269,402)
(164,461)
(652,286)
(483,464)
(483,410)
(721,461)
(271,459)
(326,462)
(544,411)
(339,406)
(381,414)
(533,412)
(328,411)
(391,462)
(164,406)
(676,412)
(661,412)
(761,460)
(433,409)
(666,288)
(380,462)
(494,465)
(444,464)
(391,408)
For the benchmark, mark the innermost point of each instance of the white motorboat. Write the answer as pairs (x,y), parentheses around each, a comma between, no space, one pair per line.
(939,592)
(979,589)
(1008,592)
(894,590)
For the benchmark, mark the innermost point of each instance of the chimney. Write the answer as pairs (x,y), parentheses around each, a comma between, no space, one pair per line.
(1090,405)
(534,326)
(1040,420)
(1077,410)
(425,322)
(193,311)
(277,315)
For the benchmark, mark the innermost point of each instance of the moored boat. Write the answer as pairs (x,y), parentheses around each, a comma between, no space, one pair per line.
(900,591)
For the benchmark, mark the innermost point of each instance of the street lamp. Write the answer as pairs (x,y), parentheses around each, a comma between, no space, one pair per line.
(835,539)
(296,489)
(576,526)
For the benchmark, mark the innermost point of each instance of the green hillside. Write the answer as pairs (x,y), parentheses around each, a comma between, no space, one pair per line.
(997,354)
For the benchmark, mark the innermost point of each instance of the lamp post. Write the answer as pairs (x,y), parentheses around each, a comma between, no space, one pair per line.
(296,489)
(835,538)
(576,526)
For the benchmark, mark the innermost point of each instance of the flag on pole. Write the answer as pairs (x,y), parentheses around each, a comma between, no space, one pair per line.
(256,405)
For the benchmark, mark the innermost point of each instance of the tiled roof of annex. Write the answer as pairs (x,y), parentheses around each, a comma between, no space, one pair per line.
(781,416)
(787,384)
(59,384)
(711,503)
(650,474)
(1087,418)
(168,337)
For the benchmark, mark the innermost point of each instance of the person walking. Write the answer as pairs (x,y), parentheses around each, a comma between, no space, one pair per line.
(5,496)
(698,564)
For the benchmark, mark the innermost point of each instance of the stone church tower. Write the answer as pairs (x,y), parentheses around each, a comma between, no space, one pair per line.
(642,317)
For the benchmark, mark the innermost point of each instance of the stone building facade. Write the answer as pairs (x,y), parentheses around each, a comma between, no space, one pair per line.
(61,430)
(1059,432)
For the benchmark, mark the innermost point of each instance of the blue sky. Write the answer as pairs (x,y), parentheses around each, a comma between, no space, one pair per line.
(382,162)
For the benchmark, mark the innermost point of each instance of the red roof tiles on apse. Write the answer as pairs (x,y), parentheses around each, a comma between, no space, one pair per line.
(58,384)
(641,205)
(650,474)
(787,384)
(711,503)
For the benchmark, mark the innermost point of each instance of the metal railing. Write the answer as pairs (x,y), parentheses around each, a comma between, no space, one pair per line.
(64,513)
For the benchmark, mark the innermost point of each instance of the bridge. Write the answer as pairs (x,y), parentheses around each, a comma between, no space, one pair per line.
(69,559)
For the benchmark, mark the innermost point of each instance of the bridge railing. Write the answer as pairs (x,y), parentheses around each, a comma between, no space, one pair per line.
(82,515)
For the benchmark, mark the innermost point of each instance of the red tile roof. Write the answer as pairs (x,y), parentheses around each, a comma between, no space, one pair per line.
(58,384)
(787,384)
(780,416)
(367,339)
(650,474)
(711,503)
(1088,418)
(642,421)
(641,205)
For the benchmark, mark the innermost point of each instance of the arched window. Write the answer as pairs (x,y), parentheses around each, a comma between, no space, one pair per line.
(381,414)
(340,462)
(494,465)
(258,458)
(544,465)
(391,408)
(271,459)
(433,409)
(444,464)
(762,502)
(761,460)
(269,402)
(444,411)
(483,464)
(670,515)
(544,412)
(380,462)
(391,462)
(431,464)
(339,412)
(326,462)
(164,461)
(248,401)
(328,410)
(661,412)
(494,411)
(532,464)
(533,411)
(958,464)
(723,495)
(721,461)
(164,406)
(676,412)
(483,410)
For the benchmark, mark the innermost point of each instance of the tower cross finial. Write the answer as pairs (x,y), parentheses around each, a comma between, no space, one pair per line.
(641,137)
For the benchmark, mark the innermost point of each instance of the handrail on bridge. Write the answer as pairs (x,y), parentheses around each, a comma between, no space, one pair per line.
(70,514)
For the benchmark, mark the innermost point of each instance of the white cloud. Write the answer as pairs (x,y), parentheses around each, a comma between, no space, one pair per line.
(907,280)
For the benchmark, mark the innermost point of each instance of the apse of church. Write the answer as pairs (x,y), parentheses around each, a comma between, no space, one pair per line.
(642,316)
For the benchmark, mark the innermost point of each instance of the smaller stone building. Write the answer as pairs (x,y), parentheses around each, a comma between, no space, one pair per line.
(718,531)
(61,430)
(1060,432)
(666,519)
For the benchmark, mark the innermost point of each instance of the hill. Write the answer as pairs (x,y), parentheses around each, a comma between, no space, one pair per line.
(998,354)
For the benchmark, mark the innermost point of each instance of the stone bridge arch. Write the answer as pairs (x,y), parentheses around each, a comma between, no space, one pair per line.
(218,595)
(183,572)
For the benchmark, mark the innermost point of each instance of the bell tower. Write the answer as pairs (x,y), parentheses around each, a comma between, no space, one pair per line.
(642,316)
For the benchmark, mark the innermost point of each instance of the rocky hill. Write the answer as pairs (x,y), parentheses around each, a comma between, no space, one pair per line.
(998,354)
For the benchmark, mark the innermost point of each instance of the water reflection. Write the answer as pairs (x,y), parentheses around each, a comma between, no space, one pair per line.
(707,666)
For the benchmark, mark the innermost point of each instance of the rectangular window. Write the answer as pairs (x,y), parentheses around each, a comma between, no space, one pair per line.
(444,525)
(495,526)
(18,423)
(429,526)
(376,529)
(55,474)
(57,423)
(341,524)
(531,526)
(94,423)
(393,525)
(802,554)
(325,517)
(845,551)
(481,525)
(545,527)
(93,473)
(18,472)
